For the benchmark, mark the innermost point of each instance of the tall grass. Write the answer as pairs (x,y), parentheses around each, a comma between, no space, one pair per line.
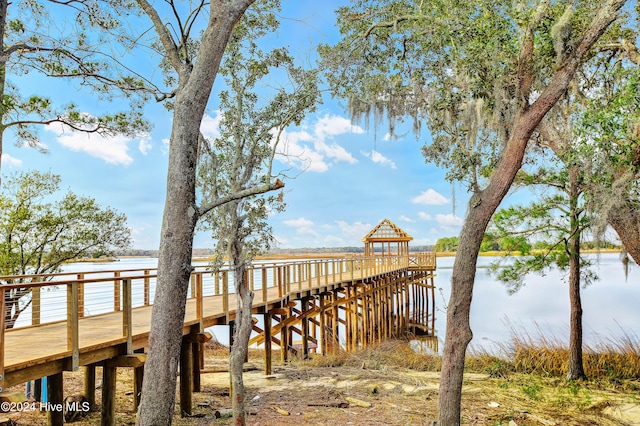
(547,355)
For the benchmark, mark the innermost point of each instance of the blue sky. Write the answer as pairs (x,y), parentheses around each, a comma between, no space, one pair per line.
(353,177)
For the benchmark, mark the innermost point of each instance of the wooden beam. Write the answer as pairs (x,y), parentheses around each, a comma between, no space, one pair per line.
(134,360)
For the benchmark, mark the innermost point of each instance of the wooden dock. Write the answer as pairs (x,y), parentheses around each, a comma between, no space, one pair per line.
(367,299)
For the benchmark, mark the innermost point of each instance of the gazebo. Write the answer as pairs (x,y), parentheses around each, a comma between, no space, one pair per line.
(393,240)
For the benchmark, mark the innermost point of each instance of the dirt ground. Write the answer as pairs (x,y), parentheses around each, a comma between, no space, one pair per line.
(371,394)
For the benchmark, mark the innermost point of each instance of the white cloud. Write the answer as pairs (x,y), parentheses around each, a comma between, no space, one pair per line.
(354,232)
(449,220)
(406,219)
(376,157)
(424,216)
(302,226)
(145,146)
(430,197)
(309,149)
(8,160)
(112,149)
(333,125)
(210,126)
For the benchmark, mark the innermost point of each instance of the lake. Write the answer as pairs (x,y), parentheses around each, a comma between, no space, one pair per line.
(611,305)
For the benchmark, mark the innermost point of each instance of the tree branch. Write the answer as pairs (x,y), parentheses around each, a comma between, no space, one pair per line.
(259,189)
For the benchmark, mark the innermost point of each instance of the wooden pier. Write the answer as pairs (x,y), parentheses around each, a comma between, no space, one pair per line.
(324,305)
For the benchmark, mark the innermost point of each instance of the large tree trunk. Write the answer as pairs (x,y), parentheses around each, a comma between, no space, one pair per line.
(576,367)
(180,213)
(483,204)
(625,219)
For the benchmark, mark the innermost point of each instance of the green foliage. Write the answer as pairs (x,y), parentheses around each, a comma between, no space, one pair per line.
(453,65)
(84,52)
(39,231)
(446,244)
(549,224)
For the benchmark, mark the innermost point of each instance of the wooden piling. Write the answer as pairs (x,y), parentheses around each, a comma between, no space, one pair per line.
(186,377)
(90,384)
(55,415)
(108,395)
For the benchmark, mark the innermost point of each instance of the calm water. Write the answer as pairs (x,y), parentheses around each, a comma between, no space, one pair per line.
(611,305)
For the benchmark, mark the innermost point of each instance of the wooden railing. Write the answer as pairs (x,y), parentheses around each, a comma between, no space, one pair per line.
(72,296)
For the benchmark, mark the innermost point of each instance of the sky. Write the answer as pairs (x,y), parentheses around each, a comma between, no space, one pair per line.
(347,177)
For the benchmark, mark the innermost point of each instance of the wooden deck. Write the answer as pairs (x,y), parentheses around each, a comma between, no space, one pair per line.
(47,348)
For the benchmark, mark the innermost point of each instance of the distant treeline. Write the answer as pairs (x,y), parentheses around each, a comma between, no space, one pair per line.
(354,250)
(279,251)
(154,253)
(514,244)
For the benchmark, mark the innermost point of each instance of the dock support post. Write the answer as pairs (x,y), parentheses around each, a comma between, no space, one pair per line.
(304,327)
(197,348)
(186,376)
(54,392)
(335,320)
(108,395)
(284,339)
(267,343)
(323,325)
(90,384)
(138,376)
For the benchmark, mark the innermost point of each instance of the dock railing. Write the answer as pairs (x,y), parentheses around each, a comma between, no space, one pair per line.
(73,296)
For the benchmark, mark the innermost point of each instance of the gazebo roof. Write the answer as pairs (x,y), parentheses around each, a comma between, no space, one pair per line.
(386,231)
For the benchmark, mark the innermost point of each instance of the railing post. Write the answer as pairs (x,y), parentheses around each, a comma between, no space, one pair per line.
(146,288)
(264,284)
(116,292)
(192,286)
(80,296)
(127,314)
(199,296)
(279,282)
(225,293)
(72,325)
(2,326)
(36,305)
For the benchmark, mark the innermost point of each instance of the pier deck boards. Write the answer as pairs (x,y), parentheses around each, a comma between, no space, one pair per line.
(35,351)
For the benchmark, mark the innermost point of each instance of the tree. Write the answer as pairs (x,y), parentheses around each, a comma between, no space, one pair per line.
(446,244)
(31,45)
(483,75)
(241,158)
(191,65)
(559,216)
(610,122)
(37,235)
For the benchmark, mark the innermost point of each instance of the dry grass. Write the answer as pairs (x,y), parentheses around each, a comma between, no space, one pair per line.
(547,355)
